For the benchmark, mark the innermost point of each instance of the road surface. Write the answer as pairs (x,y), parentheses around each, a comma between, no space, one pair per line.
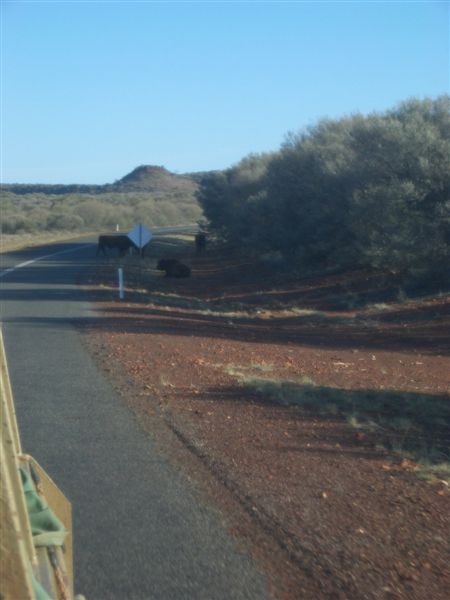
(140,531)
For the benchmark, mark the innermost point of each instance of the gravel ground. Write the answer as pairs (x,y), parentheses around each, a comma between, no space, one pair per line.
(284,406)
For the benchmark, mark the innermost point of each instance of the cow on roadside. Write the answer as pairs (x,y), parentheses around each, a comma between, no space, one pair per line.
(173,268)
(119,241)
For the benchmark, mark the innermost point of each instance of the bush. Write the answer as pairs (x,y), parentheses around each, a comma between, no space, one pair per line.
(92,212)
(65,222)
(13,224)
(231,199)
(370,191)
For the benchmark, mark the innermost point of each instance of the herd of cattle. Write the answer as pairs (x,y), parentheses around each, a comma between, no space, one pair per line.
(171,266)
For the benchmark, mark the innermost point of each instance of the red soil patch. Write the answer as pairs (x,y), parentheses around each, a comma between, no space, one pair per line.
(347,519)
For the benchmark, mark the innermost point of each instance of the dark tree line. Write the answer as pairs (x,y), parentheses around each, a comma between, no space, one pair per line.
(362,190)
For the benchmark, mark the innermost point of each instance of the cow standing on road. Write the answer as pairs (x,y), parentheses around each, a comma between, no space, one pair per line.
(121,242)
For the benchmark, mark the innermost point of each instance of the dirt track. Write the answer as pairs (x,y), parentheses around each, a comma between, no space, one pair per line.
(257,381)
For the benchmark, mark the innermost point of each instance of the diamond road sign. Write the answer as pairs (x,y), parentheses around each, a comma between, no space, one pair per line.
(140,235)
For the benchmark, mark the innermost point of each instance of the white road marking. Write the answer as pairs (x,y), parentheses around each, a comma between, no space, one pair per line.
(30,262)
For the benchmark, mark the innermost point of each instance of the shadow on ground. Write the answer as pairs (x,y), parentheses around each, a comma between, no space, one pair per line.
(430,337)
(402,421)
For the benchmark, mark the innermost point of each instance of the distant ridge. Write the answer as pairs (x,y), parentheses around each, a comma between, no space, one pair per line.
(145,178)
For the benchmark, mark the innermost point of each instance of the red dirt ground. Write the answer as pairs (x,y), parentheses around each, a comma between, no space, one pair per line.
(326,508)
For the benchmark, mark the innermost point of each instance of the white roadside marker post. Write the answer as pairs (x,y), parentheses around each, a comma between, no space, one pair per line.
(121,291)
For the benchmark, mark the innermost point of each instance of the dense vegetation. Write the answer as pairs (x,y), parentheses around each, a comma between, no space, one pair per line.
(362,190)
(149,195)
(85,212)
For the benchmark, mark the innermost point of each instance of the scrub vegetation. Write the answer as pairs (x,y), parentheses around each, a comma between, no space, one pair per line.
(361,191)
(410,424)
(149,195)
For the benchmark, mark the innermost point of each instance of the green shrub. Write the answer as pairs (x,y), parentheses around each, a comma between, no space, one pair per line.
(372,191)
(33,212)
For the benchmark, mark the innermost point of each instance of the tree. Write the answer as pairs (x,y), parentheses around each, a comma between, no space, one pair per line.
(370,191)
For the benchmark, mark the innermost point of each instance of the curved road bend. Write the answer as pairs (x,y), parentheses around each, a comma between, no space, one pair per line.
(140,532)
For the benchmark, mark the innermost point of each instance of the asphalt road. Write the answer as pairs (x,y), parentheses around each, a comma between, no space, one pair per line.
(140,531)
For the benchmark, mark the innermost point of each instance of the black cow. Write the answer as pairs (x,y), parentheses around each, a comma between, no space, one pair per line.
(173,268)
(119,241)
(200,242)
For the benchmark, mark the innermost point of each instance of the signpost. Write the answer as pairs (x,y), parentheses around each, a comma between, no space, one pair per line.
(121,290)
(140,236)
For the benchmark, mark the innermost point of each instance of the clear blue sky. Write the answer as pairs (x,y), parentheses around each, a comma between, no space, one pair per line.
(91,89)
